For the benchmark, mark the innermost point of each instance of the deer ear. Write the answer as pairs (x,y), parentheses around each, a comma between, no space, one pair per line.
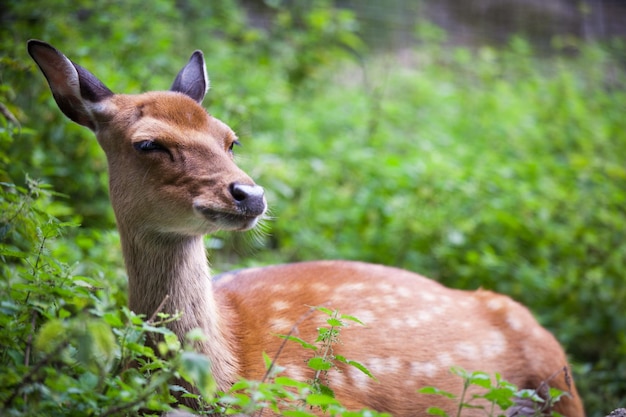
(74,88)
(193,79)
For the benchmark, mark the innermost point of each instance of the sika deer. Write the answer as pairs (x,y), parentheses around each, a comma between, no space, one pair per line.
(173,180)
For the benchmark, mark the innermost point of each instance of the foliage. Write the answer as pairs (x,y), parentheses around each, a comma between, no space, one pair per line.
(70,348)
(498,397)
(484,167)
(67,344)
(289,397)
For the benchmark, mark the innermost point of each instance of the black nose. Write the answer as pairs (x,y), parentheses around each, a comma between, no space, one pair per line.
(249,198)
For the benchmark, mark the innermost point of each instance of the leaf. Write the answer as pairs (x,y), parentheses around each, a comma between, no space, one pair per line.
(436,411)
(334,322)
(113,319)
(50,335)
(195,335)
(362,368)
(556,394)
(196,368)
(319,364)
(320,400)
(356,365)
(352,318)
(289,382)
(103,341)
(267,360)
(325,310)
(436,391)
(4,251)
(480,379)
(325,390)
(296,413)
(301,342)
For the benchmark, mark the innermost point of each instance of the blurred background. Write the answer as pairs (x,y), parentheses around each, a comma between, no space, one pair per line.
(481,143)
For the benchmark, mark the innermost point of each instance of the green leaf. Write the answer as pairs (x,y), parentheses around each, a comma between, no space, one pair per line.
(301,342)
(334,322)
(351,318)
(320,400)
(50,335)
(113,319)
(289,382)
(436,411)
(103,341)
(196,368)
(361,368)
(319,364)
(436,391)
(4,251)
(325,310)
(480,379)
(297,413)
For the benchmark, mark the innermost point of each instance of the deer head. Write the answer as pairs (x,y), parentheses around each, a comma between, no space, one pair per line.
(157,145)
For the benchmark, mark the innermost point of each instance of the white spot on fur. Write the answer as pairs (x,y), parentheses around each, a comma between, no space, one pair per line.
(280,305)
(439,310)
(427,369)
(445,360)
(337,379)
(366,316)
(444,300)
(467,350)
(394,365)
(280,324)
(538,332)
(352,288)
(412,322)
(465,303)
(380,366)
(494,344)
(403,292)
(427,296)
(513,321)
(396,323)
(424,315)
(359,379)
(495,304)
(295,372)
(389,301)
(376,366)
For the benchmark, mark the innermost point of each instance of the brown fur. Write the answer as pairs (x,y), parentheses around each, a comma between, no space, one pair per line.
(166,200)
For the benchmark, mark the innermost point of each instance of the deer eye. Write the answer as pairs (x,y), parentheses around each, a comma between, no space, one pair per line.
(149,146)
(232,145)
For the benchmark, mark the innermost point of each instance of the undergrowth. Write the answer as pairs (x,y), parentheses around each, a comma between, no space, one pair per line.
(69,346)
(495,396)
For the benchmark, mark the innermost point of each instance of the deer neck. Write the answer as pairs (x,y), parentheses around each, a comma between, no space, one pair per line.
(170,274)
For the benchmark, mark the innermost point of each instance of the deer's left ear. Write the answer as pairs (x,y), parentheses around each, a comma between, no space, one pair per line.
(75,89)
(193,79)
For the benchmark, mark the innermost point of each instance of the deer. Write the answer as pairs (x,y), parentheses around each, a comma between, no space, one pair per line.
(173,179)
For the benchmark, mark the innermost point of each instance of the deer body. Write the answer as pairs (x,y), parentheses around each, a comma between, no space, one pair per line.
(172,180)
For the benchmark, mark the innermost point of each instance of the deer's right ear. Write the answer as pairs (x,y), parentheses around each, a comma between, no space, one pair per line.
(193,79)
(75,89)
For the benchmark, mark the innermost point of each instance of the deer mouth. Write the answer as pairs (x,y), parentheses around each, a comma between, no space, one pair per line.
(229,220)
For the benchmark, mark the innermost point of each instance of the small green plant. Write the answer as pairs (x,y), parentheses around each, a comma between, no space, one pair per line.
(325,358)
(497,397)
(294,398)
(66,346)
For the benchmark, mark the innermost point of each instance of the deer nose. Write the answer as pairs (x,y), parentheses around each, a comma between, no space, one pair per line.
(249,198)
